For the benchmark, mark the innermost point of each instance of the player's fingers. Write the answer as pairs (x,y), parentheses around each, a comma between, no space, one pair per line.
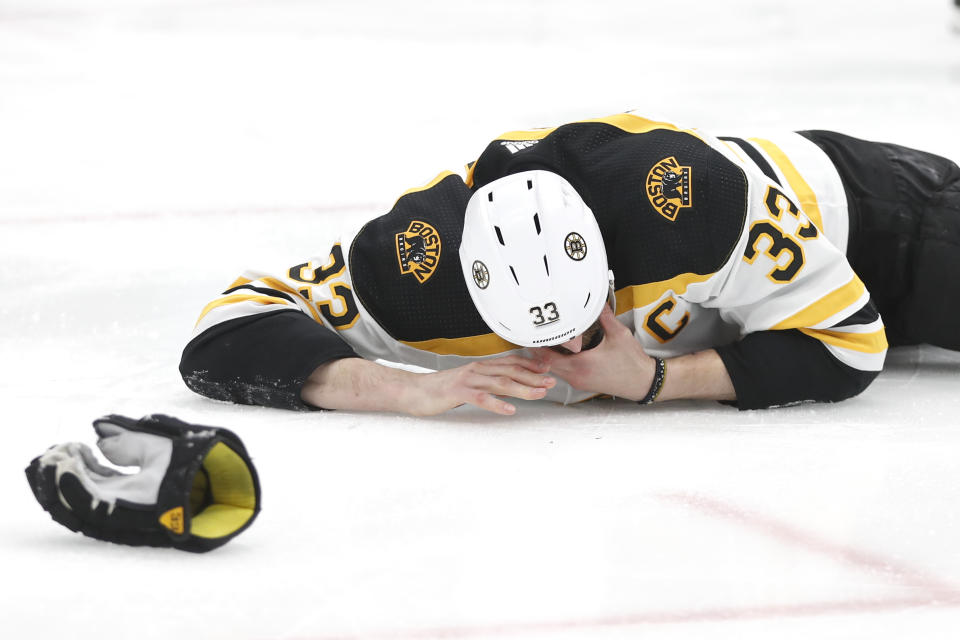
(519,374)
(490,402)
(530,364)
(507,386)
(562,363)
(546,356)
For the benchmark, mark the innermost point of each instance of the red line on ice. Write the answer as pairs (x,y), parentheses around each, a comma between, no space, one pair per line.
(647,618)
(932,591)
(865,560)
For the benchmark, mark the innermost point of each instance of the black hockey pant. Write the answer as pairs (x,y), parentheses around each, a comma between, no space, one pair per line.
(904,234)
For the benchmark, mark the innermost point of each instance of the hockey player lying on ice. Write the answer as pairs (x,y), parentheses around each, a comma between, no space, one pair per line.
(749,270)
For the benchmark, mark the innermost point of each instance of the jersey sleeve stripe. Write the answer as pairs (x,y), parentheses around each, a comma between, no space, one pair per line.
(262,290)
(241,297)
(872,342)
(239,282)
(285,295)
(808,199)
(865,315)
(857,359)
(866,327)
(754,155)
(280,285)
(835,302)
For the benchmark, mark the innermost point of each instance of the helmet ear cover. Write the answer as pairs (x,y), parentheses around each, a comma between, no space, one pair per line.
(533,259)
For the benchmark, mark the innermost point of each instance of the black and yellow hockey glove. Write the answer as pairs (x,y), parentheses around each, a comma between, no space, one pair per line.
(195,490)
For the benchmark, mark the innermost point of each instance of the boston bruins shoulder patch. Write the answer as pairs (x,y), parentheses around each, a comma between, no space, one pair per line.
(418,250)
(668,187)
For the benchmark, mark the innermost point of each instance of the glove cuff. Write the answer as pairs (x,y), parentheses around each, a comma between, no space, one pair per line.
(211,492)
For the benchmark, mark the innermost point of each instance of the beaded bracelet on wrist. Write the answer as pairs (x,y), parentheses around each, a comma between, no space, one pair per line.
(659,375)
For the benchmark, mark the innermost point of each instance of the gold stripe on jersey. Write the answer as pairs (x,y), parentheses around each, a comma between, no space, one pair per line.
(873,342)
(487,344)
(624,121)
(808,199)
(240,297)
(735,150)
(282,286)
(637,124)
(640,295)
(529,134)
(829,305)
(429,185)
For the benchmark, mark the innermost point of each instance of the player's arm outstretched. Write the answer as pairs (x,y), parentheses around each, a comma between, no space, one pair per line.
(353,383)
(308,337)
(267,350)
(258,341)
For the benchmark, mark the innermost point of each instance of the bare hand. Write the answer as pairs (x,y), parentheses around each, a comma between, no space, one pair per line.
(358,384)
(478,383)
(617,366)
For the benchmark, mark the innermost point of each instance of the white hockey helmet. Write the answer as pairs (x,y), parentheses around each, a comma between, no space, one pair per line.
(533,259)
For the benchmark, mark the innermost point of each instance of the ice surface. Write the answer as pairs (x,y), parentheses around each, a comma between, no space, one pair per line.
(150,151)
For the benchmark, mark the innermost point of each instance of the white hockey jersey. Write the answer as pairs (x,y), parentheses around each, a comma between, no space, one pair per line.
(710,240)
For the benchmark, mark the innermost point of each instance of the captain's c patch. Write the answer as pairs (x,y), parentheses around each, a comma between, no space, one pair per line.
(418,250)
(668,187)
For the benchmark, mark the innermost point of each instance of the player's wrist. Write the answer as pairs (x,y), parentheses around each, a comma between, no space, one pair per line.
(636,372)
(636,386)
(701,375)
(404,391)
(381,388)
(354,383)
(656,383)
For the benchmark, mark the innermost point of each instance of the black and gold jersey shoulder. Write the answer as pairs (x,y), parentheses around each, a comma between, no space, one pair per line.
(405,266)
(667,203)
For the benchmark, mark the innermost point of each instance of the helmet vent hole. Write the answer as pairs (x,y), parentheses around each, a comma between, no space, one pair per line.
(536,222)
(514,275)
(587,301)
(490,196)
(500,237)
(529,184)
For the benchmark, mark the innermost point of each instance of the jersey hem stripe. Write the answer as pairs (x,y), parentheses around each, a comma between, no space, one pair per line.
(873,342)
(827,306)
(483,345)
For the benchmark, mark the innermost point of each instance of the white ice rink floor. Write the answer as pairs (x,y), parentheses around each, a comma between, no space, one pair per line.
(150,151)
